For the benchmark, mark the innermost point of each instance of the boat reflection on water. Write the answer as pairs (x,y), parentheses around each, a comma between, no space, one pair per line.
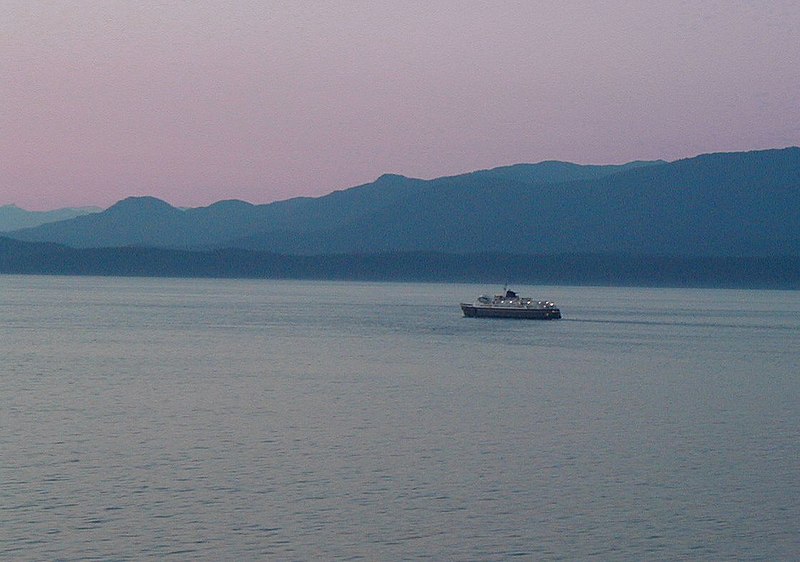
(510,305)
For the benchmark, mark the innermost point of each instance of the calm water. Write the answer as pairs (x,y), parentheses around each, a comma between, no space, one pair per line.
(204,419)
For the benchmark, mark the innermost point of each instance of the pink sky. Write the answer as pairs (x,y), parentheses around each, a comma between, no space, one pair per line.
(199,101)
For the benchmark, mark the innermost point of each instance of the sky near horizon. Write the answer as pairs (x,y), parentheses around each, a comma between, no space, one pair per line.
(194,102)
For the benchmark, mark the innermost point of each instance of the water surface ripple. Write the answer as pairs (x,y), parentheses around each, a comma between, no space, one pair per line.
(210,419)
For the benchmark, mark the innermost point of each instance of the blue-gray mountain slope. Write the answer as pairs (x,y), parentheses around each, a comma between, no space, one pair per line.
(724,204)
(147,221)
(14,218)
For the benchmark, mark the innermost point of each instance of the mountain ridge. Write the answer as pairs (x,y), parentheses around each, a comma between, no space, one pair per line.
(716,204)
(15,218)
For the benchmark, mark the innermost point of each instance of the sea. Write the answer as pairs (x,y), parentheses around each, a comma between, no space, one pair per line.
(186,419)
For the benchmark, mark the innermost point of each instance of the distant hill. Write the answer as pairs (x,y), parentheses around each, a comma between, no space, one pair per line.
(17,257)
(714,205)
(147,221)
(14,218)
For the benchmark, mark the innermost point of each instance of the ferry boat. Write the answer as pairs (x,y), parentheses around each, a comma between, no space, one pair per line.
(510,305)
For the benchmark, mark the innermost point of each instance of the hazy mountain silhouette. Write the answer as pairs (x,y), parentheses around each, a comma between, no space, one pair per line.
(14,218)
(723,204)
